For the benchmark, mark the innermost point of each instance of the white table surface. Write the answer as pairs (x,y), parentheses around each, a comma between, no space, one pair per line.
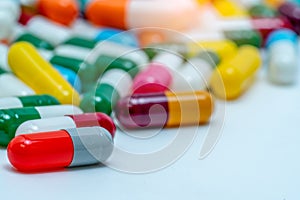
(257,157)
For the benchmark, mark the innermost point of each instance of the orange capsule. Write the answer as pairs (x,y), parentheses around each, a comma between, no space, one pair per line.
(60,11)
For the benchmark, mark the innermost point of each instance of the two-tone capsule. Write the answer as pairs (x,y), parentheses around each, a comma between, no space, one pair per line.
(233,76)
(27,101)
(59,149)
(67,122)
(282,67)
(164,109)
(127,14)
(11,119)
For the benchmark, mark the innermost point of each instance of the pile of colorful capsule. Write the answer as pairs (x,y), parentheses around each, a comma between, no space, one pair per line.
(67,66)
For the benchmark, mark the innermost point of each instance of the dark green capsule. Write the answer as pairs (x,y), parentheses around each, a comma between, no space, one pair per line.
(244,37)
(35,41)
(262,10)
(38,100)
(105,63)
(11,119)
(81,42)
(103,99)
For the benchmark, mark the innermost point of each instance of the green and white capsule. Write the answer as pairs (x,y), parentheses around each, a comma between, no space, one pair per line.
(11,119)
(10,85)
(113,85)
(27,101)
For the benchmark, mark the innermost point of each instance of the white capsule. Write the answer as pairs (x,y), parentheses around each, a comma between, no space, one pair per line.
(12,6)
(282,57)
(47,30)
(44,125)
(46,54)
(89,32)
(72,51)
(7,23)
(10,102)
(57,110)
(9,14)
(3,57)
(12,86)
(193,75)
(168,59)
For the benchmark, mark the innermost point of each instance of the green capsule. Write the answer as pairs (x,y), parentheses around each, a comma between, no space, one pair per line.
(244,37)
(262,10)
(102,100)
(105,63)
(35,41)
(88,74)
(82,42)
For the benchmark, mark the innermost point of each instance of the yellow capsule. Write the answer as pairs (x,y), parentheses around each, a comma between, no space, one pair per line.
(224,48)
(232,77)
(229,9)
(31,68)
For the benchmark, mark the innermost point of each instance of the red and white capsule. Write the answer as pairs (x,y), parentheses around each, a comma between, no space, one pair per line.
(59,149)
(66,122)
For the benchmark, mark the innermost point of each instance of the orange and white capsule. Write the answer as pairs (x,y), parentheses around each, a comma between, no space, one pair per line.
(126,14)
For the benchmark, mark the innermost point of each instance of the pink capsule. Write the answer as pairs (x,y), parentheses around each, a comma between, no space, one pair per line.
(158,75)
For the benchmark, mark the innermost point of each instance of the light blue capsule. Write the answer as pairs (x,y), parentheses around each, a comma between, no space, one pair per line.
(70,76)
(282,34)
(117,36)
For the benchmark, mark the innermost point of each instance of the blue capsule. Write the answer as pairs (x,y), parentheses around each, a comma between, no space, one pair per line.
(70,76)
